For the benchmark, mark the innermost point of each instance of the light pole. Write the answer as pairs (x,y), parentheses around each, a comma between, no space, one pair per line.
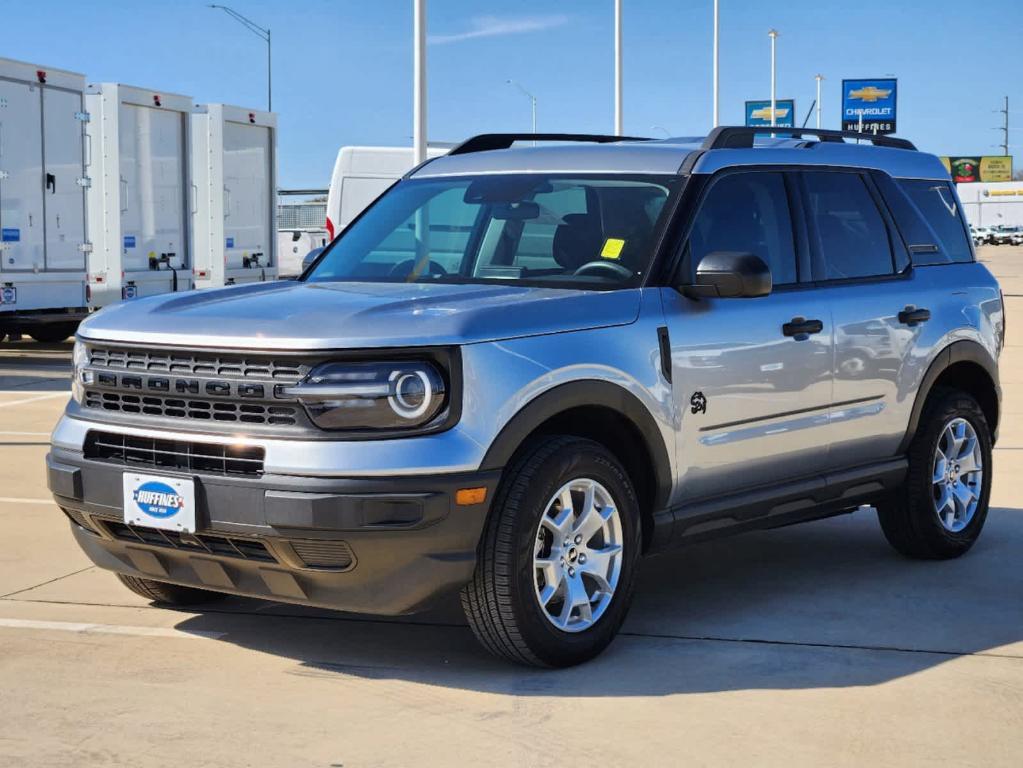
(819,78)
(531,97)
(263,34)
(667,133)
(773,34)
(419,80)
(714,77)
(618,68)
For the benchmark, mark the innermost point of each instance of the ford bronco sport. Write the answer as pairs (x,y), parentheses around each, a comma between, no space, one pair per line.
(523,367)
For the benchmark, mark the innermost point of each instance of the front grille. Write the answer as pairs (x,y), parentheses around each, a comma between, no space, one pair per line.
(196,363)
(323,554)
(148,452)
(180,408)
(221,546)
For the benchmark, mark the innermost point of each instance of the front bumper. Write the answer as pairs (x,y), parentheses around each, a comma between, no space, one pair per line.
(369,545)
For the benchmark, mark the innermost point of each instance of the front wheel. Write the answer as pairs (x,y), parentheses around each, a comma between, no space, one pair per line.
(557,559)
(941,508)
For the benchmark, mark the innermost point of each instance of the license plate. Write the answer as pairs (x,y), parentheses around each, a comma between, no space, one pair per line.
(155,501)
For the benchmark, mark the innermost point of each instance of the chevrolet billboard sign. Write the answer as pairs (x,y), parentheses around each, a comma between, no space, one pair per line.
(758,113)
(870,104)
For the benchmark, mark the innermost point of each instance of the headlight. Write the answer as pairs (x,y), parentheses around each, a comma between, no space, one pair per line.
(79,358)
(372,396)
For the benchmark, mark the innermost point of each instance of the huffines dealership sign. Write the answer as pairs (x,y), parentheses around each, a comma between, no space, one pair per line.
(869,101)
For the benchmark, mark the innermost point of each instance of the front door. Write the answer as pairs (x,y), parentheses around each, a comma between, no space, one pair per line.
(752,393)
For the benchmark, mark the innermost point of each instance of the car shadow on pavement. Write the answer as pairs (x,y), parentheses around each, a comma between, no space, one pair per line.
(827,604)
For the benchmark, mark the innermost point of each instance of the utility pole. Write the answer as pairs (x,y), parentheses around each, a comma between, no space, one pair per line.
(773,34)
(715,121)
(419,80)
(618,68)
(1005,127)
(819,78)
(259,31)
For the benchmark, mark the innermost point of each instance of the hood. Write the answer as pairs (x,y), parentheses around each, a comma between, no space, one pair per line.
(299,316)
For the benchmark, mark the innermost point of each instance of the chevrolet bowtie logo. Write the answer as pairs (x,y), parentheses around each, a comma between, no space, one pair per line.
(764,113)
(870,93)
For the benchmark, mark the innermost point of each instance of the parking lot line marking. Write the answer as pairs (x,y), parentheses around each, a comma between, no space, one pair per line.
(15,500)
(48,396)
(108,629)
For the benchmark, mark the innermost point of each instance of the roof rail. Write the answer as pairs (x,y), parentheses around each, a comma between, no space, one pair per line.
(488,141)
(740,137)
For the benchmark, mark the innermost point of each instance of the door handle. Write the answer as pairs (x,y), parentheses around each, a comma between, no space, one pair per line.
(51,182)
(800,326)
(914,316)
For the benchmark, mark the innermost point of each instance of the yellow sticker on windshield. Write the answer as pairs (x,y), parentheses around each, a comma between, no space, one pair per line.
(612,248)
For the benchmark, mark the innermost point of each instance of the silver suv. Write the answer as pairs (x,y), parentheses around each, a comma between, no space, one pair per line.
(523,367)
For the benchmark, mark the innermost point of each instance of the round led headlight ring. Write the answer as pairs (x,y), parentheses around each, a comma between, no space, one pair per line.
(411,393)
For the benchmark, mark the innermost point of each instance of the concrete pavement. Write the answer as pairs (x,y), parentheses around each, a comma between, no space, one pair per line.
(810,645)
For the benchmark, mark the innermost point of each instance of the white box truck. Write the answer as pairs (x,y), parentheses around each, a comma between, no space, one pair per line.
(234,168)
(141,194)
(361,174)
(293,245)
(43,185)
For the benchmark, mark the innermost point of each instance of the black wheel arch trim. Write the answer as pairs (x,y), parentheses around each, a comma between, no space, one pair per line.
(576,394)
(956,352)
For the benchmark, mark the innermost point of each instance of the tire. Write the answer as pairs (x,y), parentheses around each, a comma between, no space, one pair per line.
(911,521)
(502,601)
(168,594)
(53,333)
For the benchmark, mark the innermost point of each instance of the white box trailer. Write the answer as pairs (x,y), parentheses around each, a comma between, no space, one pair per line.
(992,204)
(43,184)
(362,174)
(234,162)
(141,193)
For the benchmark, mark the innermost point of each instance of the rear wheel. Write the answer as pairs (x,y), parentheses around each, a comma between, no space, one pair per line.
(554,575)
(168,594)
(52,333)
(940,510)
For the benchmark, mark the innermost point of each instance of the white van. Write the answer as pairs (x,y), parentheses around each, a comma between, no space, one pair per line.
(234,168)
(43,184)
(361,174)
(141,194)
(293,245)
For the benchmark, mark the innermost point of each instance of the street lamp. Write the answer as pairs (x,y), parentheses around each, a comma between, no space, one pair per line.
(528,95)
(667,133)
(773,34)
(818,78)
(263,34)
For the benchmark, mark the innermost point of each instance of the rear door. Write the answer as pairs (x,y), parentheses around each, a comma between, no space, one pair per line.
(861,265)
(22,246)
(64,173)
(247,180)
(152,186)
(754,398)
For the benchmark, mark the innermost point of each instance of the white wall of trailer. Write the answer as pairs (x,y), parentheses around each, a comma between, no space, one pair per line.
(43,183)
(141,195)
(293,245)
(234,162)
(992,204)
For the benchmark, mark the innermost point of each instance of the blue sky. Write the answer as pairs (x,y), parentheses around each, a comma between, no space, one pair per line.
(343,68)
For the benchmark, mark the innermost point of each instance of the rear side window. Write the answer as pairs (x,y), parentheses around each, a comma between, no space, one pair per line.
(937,203)
(850,236)
(747,212)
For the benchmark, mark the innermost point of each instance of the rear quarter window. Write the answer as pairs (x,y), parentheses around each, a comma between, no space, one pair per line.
(939,206)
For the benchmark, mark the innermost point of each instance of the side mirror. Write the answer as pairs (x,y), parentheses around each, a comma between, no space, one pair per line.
(730,275)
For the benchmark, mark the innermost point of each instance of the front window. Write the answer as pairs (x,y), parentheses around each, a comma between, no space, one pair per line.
(532,228)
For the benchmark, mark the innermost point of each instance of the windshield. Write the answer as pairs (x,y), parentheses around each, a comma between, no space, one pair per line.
(577,231)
